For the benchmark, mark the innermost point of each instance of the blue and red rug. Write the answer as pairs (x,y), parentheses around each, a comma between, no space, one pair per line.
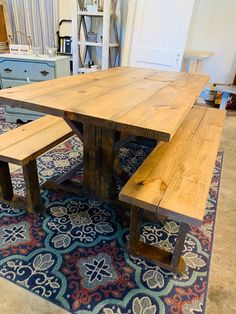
(73,255)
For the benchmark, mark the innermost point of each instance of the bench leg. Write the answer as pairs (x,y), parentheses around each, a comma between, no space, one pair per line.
(170,261)
(32,187)
(6,189)
(135,227)
(176,257)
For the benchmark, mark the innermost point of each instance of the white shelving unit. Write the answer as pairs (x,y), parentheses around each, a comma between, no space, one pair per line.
(84,50)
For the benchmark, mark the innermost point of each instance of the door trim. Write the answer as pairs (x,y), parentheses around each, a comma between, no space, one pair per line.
(132,6)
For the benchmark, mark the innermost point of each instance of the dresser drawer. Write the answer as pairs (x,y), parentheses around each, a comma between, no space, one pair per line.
(12,83)
(15,110)
(39,71)
(9,109)
(34,71)
(9,69)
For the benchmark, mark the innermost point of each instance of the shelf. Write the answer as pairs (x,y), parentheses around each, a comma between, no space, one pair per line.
(64,53)
(113,45)
(88,70)
(88,43)
(107,36)
(85,13)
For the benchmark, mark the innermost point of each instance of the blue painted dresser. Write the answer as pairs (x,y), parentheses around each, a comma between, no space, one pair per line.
(16,70)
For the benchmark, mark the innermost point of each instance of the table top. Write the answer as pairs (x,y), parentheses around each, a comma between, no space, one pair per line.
(137,101)
(197,54)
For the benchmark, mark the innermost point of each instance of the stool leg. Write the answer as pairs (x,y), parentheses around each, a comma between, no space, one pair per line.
(183,229)
(224,100)
(32,187)
(6,189)
(135,227)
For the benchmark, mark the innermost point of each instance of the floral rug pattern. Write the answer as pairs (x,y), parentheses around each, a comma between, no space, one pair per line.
(73,255)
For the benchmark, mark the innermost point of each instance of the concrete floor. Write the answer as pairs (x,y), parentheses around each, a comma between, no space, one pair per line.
(222,285)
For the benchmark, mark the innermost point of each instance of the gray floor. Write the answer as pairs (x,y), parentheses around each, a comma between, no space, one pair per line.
(222,286)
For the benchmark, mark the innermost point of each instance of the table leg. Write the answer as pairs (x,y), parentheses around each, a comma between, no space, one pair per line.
(98,158)
(107,181)
(101,164)
(91,157)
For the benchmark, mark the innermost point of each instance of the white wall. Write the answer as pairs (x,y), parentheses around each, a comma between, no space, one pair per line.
(213,28)
(65,13)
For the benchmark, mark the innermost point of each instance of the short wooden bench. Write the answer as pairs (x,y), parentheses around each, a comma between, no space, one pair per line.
(21,146)
(174,181)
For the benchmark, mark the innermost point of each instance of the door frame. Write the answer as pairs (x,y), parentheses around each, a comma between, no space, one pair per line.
(132,6)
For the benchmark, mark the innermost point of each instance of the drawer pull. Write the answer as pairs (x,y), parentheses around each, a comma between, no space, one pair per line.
(44,73)
(7,70)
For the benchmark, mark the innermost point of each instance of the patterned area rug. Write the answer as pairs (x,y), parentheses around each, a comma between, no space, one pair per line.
(74,256)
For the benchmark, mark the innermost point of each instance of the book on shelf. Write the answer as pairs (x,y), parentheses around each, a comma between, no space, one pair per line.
(65,45)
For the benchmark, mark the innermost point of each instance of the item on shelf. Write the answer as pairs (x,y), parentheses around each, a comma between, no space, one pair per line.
(36,51)
(92,37)
(64,42)
(87,70)
(92,8)
(100,5)
(65,45)
(93,66)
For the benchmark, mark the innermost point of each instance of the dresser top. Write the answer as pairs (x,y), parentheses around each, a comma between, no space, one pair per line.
(32,57)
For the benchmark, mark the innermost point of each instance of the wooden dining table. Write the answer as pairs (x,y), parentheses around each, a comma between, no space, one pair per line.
(108,108)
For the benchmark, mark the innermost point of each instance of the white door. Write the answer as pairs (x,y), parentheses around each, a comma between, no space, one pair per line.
(159,33)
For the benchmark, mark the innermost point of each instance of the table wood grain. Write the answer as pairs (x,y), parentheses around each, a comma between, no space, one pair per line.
(143,102)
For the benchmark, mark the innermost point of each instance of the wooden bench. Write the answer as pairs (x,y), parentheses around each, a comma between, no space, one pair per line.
(174,181)
(22,146)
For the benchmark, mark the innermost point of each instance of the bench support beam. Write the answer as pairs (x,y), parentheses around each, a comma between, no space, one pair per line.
(170,261)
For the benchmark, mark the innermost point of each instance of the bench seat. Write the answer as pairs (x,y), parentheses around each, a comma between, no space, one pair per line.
(175,178)
(21,146)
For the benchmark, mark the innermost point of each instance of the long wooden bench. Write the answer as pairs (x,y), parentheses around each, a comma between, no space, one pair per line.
(174,181)
(21,146)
